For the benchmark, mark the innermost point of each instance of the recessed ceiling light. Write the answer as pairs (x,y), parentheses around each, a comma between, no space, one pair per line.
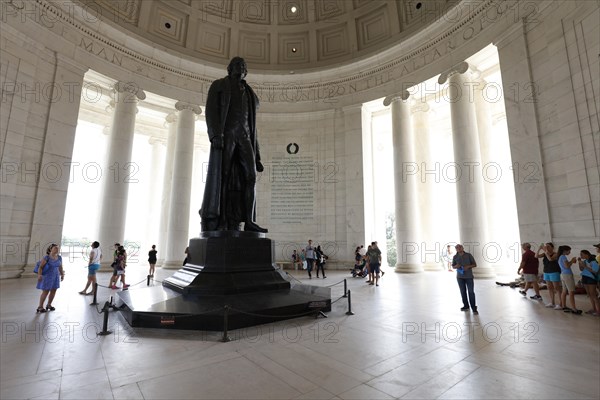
(294,50)
(293,9)
(168,25)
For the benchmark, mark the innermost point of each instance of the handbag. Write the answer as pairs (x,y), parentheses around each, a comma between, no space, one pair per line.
(37,266)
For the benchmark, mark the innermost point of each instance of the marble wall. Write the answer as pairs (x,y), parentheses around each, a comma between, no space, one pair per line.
(312,186)
(40,103)
(551,80)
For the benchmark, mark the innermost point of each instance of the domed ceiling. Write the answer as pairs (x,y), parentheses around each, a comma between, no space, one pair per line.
(273,35)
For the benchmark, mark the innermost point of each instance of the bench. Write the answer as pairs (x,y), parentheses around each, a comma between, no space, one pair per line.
(284,264)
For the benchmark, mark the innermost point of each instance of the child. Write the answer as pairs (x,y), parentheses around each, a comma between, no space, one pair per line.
(568,281)
(121,264)
(589,277)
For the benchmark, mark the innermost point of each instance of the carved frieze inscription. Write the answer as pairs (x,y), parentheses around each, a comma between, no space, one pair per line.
(498,13)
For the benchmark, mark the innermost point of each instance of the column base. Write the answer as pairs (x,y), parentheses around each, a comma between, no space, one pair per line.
(171,264)
(11,272)
(409,268)
(484,272)
(433,267)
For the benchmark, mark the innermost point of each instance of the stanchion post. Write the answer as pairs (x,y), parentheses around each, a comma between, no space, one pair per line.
(105,330)
(226,337)
(345,289)
(349,312)
(95,300)
(148,281)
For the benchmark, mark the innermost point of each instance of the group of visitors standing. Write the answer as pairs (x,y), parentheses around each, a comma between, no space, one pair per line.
(558,275)
(309,258)
(368,263)
(50,272)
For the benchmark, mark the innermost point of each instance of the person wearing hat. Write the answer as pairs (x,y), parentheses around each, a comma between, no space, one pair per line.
(597,246)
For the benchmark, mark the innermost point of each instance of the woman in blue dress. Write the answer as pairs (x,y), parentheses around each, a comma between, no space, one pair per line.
(50,273)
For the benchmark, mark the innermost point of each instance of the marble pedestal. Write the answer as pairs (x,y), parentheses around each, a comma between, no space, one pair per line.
(228,273)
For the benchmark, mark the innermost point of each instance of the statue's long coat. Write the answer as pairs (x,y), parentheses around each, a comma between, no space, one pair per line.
(217,106)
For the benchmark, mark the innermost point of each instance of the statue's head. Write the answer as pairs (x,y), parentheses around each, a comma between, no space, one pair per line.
(237,68)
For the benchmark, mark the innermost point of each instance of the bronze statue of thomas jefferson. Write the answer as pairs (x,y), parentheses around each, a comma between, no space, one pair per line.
(229,195)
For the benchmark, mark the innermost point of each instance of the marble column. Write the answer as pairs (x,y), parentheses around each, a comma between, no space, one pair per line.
(351,227)
(405,182)
(113,212)
(472,210)
(171,122)
(430,249)
(179,208)
(153,194)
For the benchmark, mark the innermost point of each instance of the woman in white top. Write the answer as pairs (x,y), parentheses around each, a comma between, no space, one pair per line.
(93,266)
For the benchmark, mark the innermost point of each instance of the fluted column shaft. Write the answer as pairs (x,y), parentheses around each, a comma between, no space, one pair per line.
(405,182)
(163,239)
(152,232)
(472,210)
(117,174)
(179,207)
(425,188)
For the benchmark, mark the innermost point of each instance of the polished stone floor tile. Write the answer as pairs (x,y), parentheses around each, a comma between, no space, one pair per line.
(408,339)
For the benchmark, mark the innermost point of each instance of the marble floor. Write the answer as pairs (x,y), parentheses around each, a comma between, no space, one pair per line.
(408,339)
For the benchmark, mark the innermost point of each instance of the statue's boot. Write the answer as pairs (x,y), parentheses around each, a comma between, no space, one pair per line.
(250,226)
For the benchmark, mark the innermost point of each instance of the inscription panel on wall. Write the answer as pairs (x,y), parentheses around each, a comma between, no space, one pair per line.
(292,189)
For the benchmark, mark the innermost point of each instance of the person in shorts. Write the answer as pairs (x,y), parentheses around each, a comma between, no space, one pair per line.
(120,270)
(551,274)
(374,258)
(93,266)
(590,271)
(529,265)
(567,279)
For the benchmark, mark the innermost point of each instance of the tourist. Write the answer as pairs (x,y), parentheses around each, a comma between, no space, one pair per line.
(464,263)
(551,274)
(303,258)
(93,266)
(529,265)
(114,276)
(320,258)
(50,274)
(309,253)
(296,260)
(187,254)
(447,257)
(368,265)
(152,260)
(374,257)
(567,279)
(589,278)
(121,265)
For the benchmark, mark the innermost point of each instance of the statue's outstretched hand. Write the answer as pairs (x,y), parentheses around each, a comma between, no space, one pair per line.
(259,166)
(217,141)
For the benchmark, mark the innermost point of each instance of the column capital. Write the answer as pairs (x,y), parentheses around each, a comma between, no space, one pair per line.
(459,68)
(110,107)
(420,106)
(404,95)
(181,105)
(170,118)
(130,87)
